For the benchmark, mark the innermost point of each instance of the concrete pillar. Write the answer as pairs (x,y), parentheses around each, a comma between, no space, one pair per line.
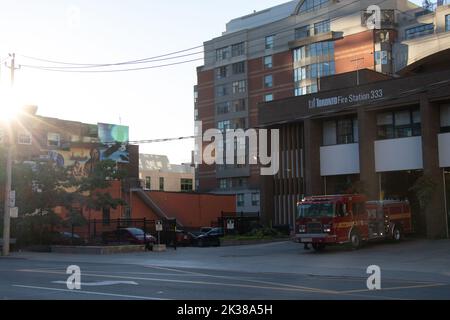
(313,141)
(435,215)
(367,127)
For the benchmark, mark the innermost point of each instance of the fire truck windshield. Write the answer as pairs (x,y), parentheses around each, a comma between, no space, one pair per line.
(315,210)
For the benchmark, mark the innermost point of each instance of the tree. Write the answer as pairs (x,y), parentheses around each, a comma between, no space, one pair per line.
(424,189)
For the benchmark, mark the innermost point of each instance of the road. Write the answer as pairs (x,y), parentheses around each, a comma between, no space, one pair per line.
(283,270)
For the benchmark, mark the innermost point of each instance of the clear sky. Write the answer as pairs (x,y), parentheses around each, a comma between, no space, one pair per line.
(155,103)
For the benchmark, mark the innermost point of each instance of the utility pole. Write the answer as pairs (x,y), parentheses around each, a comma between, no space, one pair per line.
(9,141)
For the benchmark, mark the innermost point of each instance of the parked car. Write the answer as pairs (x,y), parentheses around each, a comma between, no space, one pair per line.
(66,239)
(210,238)
(184,238)
(128,236)
(205,229)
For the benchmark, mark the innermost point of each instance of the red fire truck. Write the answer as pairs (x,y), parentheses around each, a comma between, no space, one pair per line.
(340,219)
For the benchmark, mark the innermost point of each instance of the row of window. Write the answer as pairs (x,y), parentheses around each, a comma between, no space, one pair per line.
(325,48)
(53,139)
(310,5)
(236,50)
(399,124)
(255,199)
(303,90)
(186,185)
(315,70)
(419,31)
(234,69)
(231,124)
(239,86)
(232,183)
(231,106)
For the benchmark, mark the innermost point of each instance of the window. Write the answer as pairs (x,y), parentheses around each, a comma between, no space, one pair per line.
(381,57)
(399,124)
(53,139)
(221,90)
(186,185)
(268,81)
(240,199)
(302,32)
(268,97)
(148,183)
(222,54)
(445,118)
(419,31)
(223,108)
(310,5)
(238,49)
(161,184)
(270,42)
(255,199)
(224,125)
(239,105)
(322,27)
(340,131)
(24,138)
(239,86)
(268,63)
(447,22)
(224,183)
(106,216)
(238,68)
(325,48)
(222,72)
(345,131)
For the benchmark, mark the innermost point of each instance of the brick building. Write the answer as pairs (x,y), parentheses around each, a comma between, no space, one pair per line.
(288,51)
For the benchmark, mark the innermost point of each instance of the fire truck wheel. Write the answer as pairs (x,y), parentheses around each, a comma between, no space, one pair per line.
(397,234)
(355,240)
(318,246)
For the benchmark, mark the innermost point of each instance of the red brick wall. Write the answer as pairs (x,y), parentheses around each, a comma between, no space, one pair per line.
(356,46)
(191,210)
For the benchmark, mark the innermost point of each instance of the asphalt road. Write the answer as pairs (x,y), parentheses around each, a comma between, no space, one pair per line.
(412,270)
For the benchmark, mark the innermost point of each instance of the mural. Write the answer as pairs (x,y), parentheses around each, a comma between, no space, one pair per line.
(82,160)
(114,139)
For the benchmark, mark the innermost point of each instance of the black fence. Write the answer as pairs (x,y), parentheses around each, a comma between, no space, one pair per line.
(239,223)
(98,231)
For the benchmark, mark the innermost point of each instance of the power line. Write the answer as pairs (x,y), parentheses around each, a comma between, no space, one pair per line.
(117,63)
(108,71)
(289,28)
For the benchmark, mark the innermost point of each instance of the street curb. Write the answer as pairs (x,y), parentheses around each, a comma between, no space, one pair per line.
(229,243)
(97,250)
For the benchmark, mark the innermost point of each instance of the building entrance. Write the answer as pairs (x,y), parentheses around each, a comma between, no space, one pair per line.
(397,185)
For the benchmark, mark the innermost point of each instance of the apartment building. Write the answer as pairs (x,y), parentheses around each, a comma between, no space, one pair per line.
(158,174)
(288,51)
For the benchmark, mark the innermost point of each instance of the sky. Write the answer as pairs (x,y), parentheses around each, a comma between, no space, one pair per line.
(155,103)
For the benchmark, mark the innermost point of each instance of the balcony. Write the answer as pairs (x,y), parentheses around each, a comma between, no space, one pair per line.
(398,154)
(444,150)
(339,159)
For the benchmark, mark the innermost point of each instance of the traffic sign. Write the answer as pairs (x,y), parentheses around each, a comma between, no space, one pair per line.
(12,199)
(159,226)
(230,224)
(14,212)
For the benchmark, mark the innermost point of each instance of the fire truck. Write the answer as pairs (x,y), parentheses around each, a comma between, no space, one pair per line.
(350,219)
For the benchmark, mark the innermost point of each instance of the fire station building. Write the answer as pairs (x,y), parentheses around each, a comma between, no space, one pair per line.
(366,132)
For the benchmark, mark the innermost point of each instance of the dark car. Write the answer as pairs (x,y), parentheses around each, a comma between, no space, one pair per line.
(128,236)
(66,239)
(184,238)
(210,238)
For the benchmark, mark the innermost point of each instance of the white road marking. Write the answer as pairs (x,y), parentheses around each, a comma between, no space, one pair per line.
(89,292)
(100,283)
